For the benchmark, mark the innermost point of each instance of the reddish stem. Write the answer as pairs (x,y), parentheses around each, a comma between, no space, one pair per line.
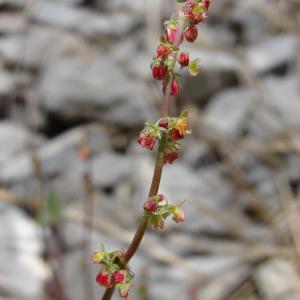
(133,247)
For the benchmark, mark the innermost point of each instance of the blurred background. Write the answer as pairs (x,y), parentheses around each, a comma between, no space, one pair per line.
(76,89)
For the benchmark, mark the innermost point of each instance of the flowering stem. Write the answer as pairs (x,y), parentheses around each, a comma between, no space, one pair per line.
(133,247)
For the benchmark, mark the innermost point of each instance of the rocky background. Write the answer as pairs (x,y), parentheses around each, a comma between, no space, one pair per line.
(75,78)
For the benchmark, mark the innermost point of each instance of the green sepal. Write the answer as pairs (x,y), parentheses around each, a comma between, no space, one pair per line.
(172,24)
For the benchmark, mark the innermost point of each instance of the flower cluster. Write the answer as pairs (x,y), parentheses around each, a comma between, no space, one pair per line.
(114,271)
(158,209)
(168,53)
(169,131)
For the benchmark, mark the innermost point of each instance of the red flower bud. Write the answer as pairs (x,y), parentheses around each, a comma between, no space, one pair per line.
(150,206)
(163,51)
(171,36)
(191,33)
(206,4)
(119,277)
(104,278)
(170,155)
(184,59)
(176,135)
(159,71)
(146,139)
(164,123)
(175,89)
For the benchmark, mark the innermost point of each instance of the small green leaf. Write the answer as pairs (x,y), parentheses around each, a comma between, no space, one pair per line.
(184,114)
(52,210)
(194,67)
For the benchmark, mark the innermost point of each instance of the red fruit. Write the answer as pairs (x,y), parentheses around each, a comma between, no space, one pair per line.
(150,206)
(184,59)
(175,89)
(191,33)
(104,278)
(164,123)
(146,139)
(176,135)
(163,51)
(190,11)
(159,71)
(119,277)
(196,18)
(171,36)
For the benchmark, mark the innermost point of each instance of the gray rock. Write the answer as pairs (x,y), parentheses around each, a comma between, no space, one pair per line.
(58,156)
(227,111)
(225,284)
(38,46)
(277,279)
(215,37)
(135,7)
(23,272)
(11,23)
(15,140)
(279,112)
(194,151)
(7,83)
(92,88)
(252,21)
(72,2)
(83,21)
(271,53)
(109,168)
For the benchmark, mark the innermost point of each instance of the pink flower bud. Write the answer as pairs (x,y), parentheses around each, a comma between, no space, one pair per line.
(163,51)
(191,33)
(175,89)
(160,197)
(150,206)
(164,123)
(146,139)
(159,71)
(171,35)
(184,59)
(119,277)
(178,214)
(104,278)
